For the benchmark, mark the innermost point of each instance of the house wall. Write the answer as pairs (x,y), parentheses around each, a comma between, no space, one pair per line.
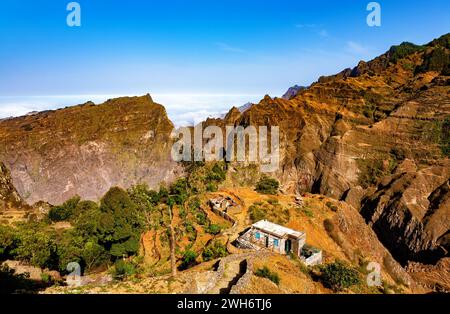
(262,241)
(296,244)
(315,259)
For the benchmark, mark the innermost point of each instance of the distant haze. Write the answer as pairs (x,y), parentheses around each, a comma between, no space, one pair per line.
(183,109)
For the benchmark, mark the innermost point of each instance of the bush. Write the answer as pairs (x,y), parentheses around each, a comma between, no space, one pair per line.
(265,272)
(194,204)
(267,185)
(404,49)
(37,247)
(65,211)
(144,198)
(331,206)
(213,229)
(214,250)
(444,139)
(123,269)
(189,259)
(217,173)
(275,213)
(338,276)
(179,191)
(86,251)
(438,60)
(201,218)
(8,242)
(398,153)
(211,187)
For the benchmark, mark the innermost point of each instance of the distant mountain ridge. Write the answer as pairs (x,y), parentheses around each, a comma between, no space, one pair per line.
(86,149)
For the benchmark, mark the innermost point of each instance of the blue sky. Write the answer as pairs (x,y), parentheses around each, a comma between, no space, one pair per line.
(179,47)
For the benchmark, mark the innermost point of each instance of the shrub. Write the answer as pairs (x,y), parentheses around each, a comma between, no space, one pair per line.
(39,249)
(211,187)
(398,153)
(201,218)
(123,269)
(65,211)
(84,250)
(189,259)
(194,204)
(257,213)
(444,139)
(213,229)
(332,231)
(372,170)
(8,242)
(267,185)
(308,212)
(217,173)
(179,191)
(404,49)
(331,206)
(144,198)
(275,213)
(214,250)
(438,60)
(265,272)
(339,276)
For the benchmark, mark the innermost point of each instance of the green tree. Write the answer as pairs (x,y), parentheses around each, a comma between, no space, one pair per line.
(65,211)
(214,250)
(339,276)
(189,259)
(120,224)
(8,242)
(37,247)
(267,185)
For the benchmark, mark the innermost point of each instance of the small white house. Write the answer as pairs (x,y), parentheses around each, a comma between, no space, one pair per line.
(268,235)
(277,238)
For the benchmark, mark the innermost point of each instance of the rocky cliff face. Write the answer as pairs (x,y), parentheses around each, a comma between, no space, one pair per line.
(376,136)
(86,149)
(9,198)
(12,208)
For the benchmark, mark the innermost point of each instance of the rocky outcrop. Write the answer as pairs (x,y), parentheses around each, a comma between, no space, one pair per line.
(410,213)
(9,198)
(86,149)
(434,277)
(293,91)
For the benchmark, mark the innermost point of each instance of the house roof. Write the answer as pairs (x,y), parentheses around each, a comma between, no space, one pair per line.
(277,230)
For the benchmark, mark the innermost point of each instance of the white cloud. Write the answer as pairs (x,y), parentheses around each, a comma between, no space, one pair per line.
(229,48)
(182,109)
(356,48)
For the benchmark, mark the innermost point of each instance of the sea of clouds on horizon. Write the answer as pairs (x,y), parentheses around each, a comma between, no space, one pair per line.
(182,109)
